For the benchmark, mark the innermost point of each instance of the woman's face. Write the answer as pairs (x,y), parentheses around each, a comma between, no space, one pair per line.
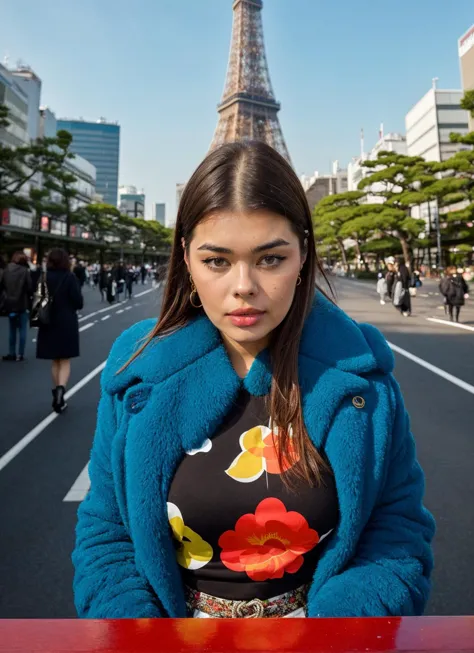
(249,263)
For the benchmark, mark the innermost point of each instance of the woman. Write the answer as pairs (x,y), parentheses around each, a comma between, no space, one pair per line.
(401,292)
(455,291)
(59,340)
(18,290)
(391,275)
(253,454)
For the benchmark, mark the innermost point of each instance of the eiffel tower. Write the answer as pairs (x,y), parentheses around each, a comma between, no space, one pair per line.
(248,110)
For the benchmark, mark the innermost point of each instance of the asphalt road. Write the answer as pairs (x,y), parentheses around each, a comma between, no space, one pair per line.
(37,523)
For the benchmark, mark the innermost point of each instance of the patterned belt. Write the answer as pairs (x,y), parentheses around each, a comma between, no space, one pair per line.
(280,606)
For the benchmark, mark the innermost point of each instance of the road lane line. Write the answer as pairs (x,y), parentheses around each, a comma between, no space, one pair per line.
(129,308)
(111,308)
(106,317)
(86,326)
(456,325)
(145,292)
(80,487)
(39,428)
(102,310)
(432,368)
(120,311)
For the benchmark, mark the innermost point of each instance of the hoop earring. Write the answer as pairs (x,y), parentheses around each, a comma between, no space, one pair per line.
(298,283)
(193,292)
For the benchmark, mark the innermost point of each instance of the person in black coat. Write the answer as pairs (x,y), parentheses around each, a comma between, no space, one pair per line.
(403,275)
(455,289)
(59,340)
(17,286)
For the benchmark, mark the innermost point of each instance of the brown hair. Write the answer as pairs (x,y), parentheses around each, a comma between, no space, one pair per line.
(58,259)
(20,258)
(248,177)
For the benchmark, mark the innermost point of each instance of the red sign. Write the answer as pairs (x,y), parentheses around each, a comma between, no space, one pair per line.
(5,216)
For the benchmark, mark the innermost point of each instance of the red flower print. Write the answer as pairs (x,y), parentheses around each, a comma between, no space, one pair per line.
(268,544)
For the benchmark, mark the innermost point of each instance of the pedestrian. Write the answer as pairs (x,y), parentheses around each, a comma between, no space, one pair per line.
(18,289)
(401,292)
(80,272)
(129,276)
(390,276)
(382,288)
(455,291)
(111,288)
(58,341)
(143,273)
(103,281)
(253,455)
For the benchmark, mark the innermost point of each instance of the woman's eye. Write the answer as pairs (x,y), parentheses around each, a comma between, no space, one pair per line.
(272,261)
(215,263)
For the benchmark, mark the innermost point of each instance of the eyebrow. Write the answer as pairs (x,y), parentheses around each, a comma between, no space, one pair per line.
(278,242)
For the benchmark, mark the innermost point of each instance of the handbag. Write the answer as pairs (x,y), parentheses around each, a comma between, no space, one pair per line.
(40,314)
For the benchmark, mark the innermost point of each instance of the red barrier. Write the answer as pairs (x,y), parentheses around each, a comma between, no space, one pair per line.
(427,634)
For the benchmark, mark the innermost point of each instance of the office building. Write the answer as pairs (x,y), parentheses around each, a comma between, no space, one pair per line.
(431,121)
(466,61)
(391,142)
(131,202)
(319,186)
(30,83)
(16,99)
(48,123)
(160,213)
(99,143)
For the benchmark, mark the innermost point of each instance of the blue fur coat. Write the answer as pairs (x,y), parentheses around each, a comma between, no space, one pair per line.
(175,395)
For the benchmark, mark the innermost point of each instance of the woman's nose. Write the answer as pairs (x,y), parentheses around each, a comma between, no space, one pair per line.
(245,283)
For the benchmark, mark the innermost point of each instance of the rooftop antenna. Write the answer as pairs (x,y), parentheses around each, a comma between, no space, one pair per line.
(362,143)
(434,82)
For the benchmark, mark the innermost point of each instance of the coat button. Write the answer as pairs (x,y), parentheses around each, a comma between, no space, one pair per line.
(358,402)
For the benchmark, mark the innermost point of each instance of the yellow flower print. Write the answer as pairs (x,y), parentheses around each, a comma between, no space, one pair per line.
(193,552)
(259,454)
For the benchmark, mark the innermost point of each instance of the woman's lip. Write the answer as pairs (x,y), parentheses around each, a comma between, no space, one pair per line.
(249,311)
(245,320)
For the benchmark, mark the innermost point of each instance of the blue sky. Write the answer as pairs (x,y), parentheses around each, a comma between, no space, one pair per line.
(158,67)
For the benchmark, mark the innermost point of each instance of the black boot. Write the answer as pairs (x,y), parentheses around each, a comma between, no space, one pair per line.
(59,403)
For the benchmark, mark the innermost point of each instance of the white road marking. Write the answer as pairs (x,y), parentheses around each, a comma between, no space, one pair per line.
(106,317)
(102,310)
(39,428)
(145,292)
(86,326)
(433,368)
(111,308)
(456,325)
(80,488)
(120,311)
(129,308)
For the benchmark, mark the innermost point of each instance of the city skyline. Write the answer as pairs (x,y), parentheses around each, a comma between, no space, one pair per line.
(333,76)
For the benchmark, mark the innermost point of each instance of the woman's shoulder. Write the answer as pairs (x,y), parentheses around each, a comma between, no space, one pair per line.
(128,343)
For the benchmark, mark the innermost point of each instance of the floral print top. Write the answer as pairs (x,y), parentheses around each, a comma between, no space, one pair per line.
(239,533)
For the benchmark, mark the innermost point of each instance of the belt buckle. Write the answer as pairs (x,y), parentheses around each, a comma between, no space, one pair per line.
(240,608)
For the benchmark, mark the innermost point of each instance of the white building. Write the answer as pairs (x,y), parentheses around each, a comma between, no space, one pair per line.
(16,99)
(391,142)
(30,83)
(466,62)
(430,122)
(160,213)
(131,202)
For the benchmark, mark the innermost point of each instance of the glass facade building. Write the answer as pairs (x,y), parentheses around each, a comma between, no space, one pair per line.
(99,143)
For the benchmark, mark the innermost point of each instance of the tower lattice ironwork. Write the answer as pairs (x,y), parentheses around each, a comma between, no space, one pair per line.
(248,110)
